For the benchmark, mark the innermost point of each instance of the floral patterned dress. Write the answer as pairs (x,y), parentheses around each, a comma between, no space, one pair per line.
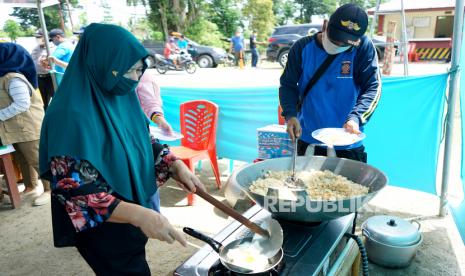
(85,195)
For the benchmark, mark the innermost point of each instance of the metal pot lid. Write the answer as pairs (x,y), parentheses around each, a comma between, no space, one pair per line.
(391,230)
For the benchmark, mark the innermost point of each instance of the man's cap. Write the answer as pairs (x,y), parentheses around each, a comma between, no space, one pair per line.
(80,31)
(56,32)
(347,24)
(39,33)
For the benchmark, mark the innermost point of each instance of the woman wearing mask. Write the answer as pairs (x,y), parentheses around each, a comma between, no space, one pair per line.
(98,154)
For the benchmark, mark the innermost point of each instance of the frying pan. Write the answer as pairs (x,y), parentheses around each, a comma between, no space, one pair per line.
(223,252)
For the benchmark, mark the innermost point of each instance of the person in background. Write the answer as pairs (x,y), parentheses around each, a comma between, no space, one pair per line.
(171,51)
(149,96)
(150,100)
(103,165)
(237,45)
(63,52)
(21,114)
(39,54)
(182,43)
(346,94)
(253,48)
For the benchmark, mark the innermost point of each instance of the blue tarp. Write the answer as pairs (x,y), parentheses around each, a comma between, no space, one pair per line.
(404,134)
(402,137)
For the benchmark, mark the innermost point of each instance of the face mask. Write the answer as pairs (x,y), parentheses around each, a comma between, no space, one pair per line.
(124,86)
(330,47)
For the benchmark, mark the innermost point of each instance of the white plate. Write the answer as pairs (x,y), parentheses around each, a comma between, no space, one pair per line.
(161,135)
(337,136)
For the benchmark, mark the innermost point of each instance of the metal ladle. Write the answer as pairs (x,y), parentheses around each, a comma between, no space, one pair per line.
(291,181)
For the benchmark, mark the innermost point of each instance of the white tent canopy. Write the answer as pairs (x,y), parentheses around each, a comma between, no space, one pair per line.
(28,3)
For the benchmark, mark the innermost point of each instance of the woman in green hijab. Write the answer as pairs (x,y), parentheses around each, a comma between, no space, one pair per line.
(96,150)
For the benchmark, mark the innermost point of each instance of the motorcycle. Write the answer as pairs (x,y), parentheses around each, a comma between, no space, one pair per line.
(185,62)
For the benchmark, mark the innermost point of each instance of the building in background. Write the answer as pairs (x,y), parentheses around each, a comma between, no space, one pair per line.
(429,25)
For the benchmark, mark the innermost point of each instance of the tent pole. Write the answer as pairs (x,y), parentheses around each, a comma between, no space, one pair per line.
(453,97)
(47,45)
(404,39)
(375,19)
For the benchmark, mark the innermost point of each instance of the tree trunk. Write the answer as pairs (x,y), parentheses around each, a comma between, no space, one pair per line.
(164,21)
(180,22)
(62,20)
(191,12)
(70,15)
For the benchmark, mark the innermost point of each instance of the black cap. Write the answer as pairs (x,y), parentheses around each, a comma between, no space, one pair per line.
(81,31)
(347,24)
(55,32)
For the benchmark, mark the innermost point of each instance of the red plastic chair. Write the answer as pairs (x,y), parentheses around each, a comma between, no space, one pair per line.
(198,125)
(281,119)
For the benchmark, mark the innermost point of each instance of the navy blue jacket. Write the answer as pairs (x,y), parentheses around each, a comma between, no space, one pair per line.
(349,89)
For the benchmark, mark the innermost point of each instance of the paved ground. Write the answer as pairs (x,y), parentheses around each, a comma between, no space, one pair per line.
(25,233)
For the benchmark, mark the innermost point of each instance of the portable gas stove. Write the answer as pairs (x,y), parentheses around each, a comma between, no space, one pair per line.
(309,248)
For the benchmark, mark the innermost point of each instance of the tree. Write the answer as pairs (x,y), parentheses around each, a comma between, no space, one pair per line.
(204,32)
(30,18)
(307,8)
(12,29)
(284,11)
(159,13)
(171,15)
(225,15)
(289,10)
(185,16)
(260,15)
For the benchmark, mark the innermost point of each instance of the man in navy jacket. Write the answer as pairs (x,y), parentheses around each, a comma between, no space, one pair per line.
(346,94)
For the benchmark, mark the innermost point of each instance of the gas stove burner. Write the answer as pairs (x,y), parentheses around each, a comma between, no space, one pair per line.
(218,269)
(301,223)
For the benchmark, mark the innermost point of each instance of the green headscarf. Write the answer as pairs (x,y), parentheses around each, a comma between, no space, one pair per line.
(93,117)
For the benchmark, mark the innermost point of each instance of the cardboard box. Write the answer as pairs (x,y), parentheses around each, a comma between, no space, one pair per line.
(273,142)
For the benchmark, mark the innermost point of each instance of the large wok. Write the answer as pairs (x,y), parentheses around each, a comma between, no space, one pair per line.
(298,206)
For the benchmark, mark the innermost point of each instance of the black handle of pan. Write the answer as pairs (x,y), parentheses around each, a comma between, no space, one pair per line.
(196,234)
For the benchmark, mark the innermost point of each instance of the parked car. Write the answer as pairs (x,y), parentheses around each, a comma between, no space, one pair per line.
(205,56)
(283,37)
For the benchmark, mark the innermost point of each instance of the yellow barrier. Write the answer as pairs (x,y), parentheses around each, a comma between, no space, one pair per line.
(433,53)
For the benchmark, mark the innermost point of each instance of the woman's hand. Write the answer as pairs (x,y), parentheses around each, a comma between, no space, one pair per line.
(156,226)
(163,124)
(187,180)
(152,224)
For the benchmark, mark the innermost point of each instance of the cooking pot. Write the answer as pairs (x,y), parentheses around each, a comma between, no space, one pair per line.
(391,241)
